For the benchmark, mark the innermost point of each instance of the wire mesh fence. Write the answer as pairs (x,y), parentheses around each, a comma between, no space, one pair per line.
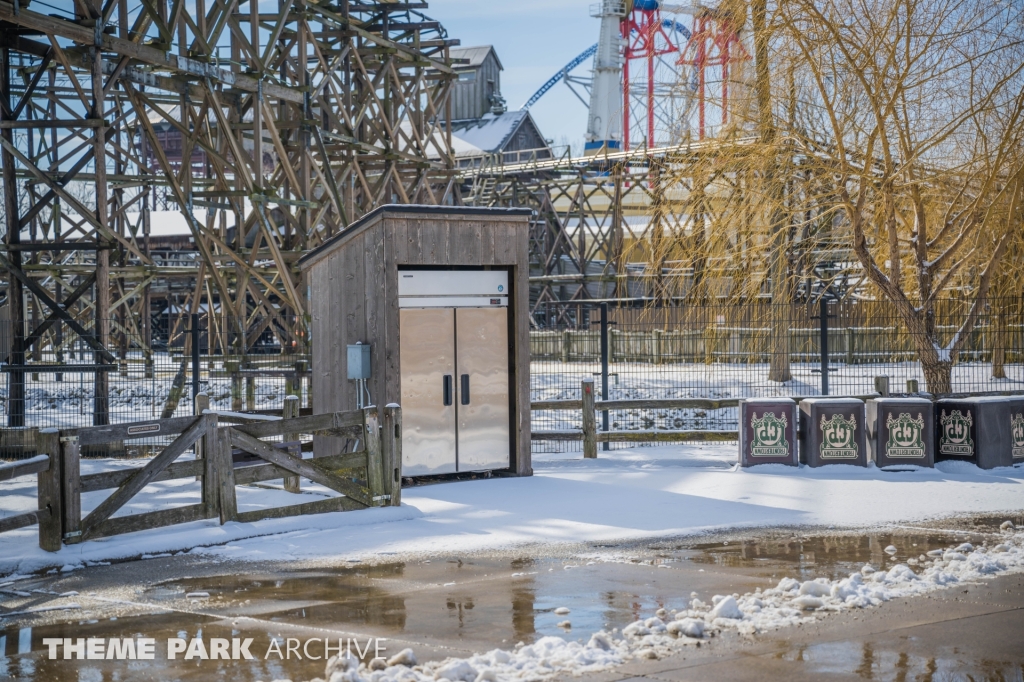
(243,365)
(63,382)
(755,350)
(712,351)
(251,365)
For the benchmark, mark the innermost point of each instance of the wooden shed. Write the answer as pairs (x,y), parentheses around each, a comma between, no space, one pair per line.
(441,296)
(479,85)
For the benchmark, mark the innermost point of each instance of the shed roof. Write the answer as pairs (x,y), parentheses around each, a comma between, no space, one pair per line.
(476,55)
(371,217)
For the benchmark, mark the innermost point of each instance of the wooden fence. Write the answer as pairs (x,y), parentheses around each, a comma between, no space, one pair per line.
(590,407)
(227,455)
(48,514)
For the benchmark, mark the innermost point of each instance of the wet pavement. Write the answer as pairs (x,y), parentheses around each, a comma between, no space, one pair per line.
(454,605)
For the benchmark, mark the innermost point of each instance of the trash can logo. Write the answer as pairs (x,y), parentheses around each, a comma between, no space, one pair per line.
(1017,431)
(905,436)
(956,434)
(769,435)
(837,437)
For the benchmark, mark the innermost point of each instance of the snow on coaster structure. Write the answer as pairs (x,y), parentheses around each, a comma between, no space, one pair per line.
(262,131)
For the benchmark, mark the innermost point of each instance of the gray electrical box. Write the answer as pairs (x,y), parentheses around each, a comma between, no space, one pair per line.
(359,361)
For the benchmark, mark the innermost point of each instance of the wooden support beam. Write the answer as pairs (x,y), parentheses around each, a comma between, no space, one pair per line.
(331,504)
(48,491)
(291,411)
(391,449)
(183,66)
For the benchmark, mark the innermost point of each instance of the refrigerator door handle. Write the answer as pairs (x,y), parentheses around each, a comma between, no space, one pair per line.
(465,389)
(447,392)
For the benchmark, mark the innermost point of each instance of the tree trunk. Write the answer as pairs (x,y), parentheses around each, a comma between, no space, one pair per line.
(779,369)
(999,348)
(775,191)
(938,375)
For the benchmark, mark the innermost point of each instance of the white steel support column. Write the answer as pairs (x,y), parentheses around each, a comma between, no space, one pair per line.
(604,124)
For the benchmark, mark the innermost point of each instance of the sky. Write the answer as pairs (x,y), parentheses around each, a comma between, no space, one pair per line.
(534,40)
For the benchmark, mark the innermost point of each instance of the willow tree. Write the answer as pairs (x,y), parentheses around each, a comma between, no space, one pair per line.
(913,114)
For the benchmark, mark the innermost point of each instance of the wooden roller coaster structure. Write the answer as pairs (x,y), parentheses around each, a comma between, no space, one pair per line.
(287,124)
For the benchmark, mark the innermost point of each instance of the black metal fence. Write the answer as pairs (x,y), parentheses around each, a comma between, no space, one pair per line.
(754,350)
(243,365)
(685,351)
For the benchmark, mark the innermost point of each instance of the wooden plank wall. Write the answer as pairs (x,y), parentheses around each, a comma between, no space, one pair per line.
(469,98)
(348,289)
(356,286)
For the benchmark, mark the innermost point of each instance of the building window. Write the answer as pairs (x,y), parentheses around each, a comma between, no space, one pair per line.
(467,76)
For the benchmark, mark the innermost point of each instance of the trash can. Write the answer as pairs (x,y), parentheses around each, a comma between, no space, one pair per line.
(900,431)
(1017,429)
(768,431)
(832,432)
(975,430)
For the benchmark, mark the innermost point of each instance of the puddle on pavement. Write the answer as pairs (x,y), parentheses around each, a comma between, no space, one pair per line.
(814,557)
(833,556)
(461,605)
(470,604)
(883,662)
(467,602)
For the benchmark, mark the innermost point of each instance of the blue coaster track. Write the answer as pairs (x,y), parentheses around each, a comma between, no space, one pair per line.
(670,24)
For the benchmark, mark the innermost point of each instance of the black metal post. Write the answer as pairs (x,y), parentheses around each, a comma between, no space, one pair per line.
(604,368)
(823,314)
(15,299)
(195,357)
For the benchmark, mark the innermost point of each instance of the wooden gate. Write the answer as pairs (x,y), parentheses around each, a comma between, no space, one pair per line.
(128,483)
(367,477)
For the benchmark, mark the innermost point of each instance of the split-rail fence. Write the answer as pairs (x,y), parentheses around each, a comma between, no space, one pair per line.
(227,455)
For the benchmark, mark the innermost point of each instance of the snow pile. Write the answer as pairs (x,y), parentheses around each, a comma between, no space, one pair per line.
(544,658)
(791,602)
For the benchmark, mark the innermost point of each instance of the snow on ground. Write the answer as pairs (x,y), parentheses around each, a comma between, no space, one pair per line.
(625,494)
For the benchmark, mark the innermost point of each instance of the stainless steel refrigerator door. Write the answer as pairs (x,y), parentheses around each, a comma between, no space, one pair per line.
(427,340)
(482,366)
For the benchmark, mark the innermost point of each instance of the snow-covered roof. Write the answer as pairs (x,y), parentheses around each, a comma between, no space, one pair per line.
(156,118)
(475,55)
(173,223)
(487,134)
